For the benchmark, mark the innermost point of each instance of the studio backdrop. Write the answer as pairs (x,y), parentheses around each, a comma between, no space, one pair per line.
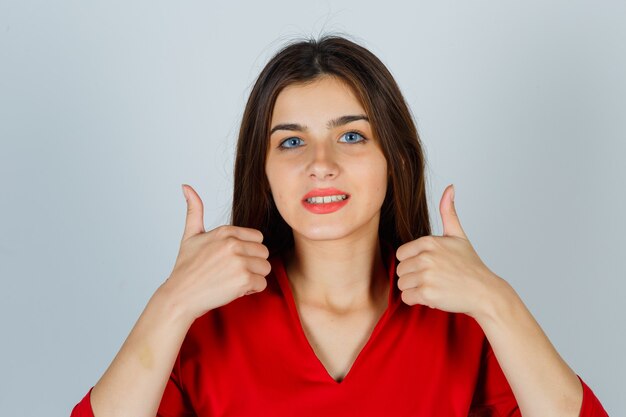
(106,108)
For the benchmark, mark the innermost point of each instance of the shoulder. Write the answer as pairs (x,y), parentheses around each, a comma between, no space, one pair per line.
(456,333)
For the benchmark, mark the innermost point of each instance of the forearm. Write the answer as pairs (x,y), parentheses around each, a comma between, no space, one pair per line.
(542,382)
(134,383)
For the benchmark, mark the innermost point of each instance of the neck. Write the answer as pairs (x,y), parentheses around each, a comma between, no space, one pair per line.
(337,275)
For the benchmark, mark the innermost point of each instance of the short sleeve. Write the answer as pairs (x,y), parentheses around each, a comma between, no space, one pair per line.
(494,398)
(83,408)
(591,406)
(493,395)
(174,403)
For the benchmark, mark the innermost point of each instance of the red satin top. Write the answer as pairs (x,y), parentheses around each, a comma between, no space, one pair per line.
(251,358)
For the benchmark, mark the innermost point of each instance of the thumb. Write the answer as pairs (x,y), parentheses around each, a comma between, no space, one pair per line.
(194,223)
(449,217)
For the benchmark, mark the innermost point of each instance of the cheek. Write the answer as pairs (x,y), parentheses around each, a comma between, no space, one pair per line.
(280,182)
(370,181)
(273,174)
(377,175)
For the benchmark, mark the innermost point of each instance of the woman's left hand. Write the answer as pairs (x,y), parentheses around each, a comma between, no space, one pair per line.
(445,272)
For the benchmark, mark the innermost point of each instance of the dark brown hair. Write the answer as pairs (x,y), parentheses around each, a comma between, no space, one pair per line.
(404,213)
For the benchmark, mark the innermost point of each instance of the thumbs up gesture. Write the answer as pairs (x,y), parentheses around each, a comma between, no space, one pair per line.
(445,272)
(214,268)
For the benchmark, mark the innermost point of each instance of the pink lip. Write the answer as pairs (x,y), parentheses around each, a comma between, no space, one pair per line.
(324,208)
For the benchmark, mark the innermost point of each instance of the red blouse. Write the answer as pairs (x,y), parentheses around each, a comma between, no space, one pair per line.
(251,358)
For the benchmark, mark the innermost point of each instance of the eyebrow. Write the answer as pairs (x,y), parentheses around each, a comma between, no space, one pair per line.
(340,121)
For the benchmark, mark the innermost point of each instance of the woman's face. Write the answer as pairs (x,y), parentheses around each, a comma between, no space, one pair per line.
(320,142)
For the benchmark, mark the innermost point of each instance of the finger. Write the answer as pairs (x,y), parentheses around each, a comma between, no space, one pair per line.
(242,233)
(259,266)
(415,247)
(419,295)
(412,280)
(414,264)
(449,217)
(194,222)
(412,296)
(259,283)
(252,249)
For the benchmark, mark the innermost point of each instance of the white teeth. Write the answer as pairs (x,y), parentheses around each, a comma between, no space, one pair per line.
(327,199)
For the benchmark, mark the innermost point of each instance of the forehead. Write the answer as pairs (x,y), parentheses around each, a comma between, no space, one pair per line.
(320,100)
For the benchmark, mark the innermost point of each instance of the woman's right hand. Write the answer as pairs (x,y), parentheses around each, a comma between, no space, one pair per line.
(214,268)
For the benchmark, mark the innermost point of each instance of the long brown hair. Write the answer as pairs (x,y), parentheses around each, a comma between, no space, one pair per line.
(404,213)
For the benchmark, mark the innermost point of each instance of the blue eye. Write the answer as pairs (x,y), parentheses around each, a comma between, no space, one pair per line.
(289,141)
(352,136)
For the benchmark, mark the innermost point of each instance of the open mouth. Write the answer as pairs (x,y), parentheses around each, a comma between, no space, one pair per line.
(327,199)
(326,204)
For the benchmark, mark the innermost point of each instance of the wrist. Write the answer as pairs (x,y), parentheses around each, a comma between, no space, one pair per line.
(497,303)
(171,305)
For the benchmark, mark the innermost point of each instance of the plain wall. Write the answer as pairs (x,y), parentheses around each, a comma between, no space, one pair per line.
(107,107)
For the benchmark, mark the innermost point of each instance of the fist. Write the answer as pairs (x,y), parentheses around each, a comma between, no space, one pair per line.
(445,272)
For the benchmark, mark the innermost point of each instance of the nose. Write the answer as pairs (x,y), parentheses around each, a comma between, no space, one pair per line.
(323,164)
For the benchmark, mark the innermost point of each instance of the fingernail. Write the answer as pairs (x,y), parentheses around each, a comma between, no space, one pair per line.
(184,192)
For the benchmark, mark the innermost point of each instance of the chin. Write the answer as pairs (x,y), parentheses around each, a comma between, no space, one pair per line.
(320,233)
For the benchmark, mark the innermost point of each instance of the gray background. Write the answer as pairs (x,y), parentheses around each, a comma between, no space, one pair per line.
(106,108)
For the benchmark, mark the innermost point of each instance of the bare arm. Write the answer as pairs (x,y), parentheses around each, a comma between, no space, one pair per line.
(542,382)
(212,269)
(446,273)
(134,383)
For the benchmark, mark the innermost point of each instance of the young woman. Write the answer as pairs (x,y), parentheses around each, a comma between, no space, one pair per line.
(327,294)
